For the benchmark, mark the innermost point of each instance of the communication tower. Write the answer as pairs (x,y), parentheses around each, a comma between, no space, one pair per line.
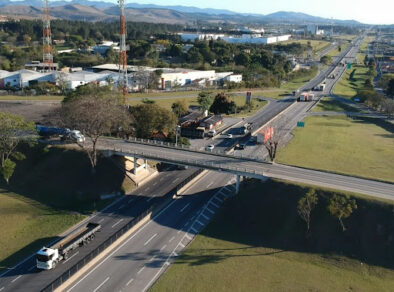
(47,57)
(123,82)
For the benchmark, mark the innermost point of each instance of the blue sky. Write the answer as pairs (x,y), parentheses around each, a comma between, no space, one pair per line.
(367,11)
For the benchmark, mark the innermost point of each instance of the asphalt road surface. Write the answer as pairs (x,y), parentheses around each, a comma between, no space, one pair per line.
(145,255)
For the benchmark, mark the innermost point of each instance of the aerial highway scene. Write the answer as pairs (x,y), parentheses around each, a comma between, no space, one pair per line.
(163,146)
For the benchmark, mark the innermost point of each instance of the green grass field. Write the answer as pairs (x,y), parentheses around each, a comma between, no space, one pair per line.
(51,190)
(335,52)
(27,225)
(348,88)
(331,105)
(257,242)
(317,45)
(361,147)
(38,97)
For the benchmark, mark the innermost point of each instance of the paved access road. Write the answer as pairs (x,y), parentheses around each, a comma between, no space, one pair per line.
(26,277)
(137,262)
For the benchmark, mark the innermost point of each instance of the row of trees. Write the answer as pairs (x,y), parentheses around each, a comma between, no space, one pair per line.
(339,206)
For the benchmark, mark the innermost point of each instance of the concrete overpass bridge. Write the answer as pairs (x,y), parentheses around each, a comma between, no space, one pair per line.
(247,166)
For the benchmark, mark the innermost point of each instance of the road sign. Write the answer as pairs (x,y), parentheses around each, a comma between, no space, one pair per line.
(301,124)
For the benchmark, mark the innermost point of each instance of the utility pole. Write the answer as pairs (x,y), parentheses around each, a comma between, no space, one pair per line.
(47,57)
(123,81)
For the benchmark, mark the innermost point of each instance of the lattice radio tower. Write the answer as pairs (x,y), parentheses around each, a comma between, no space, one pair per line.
(123,82)
(47,57)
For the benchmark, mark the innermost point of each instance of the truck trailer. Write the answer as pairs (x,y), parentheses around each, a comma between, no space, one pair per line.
(48,257)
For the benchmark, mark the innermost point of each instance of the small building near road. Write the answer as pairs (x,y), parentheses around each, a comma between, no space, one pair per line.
(211,122)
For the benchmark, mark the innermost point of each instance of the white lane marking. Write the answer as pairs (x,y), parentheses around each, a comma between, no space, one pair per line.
(214,204)
(152,258)
(188,236)
(16,278)
(163,247)
(175,254)
(31,268)
(183,209)
(150,198)
(117,223)
(199,222)
(211,183)
(176,179)
(99,286)
(71,257)
(219,199)
(129,201)
(140,270)
(1,289)
(128,283)
(154,235)
(121,246)
(101,220)
(121,206)
(171,239)
(210,211)
(205,216)
(194,230)
(181,244)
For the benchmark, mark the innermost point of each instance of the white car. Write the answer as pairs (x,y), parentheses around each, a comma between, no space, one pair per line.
(210,147)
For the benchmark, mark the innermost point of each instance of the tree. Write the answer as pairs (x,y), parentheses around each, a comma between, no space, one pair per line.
(13,130)
(222,104)
(179,108)
(341,207)
(96,112)
(205,100)
(390,87)
(306,205)
(150,118)
(326,60)
(388,107)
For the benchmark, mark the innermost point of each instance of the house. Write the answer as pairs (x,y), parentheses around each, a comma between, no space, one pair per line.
(105,46)
(24,78)
(211,122)
(159,136)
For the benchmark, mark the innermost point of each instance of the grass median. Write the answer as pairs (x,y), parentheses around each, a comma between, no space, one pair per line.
(257,242)
(362,146)
(331,105)
(347,87)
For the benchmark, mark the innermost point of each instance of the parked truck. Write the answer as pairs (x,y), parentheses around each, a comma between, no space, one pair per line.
(48,257)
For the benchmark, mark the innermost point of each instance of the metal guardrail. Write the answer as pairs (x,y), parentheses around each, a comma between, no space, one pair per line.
(86,259)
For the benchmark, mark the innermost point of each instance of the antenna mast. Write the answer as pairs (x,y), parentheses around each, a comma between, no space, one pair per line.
(123,81)
(47,57)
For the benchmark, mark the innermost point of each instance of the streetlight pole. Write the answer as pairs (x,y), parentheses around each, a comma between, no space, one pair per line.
(177,128)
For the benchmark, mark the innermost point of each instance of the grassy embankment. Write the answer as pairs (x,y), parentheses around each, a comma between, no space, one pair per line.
(331,105)
(348,88)
(257,242)
(362,147)
(317,45)
(51,191)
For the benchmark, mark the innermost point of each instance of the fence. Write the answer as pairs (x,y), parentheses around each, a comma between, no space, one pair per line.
(86,259)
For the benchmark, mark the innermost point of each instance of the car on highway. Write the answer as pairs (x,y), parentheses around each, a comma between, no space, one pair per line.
(210,147)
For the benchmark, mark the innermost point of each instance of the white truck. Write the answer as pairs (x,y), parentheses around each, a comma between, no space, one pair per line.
(48,257)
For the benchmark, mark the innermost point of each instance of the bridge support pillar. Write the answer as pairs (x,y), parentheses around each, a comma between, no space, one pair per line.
(146,163)
(135,165)
(237,184)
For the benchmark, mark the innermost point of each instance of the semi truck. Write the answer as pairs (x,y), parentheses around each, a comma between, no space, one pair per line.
(305,96)
(48,257)
(64,134)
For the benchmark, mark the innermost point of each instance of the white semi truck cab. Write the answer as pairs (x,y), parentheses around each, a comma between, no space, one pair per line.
(48,257)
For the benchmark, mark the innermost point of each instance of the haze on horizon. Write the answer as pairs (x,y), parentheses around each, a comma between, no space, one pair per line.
(371,12)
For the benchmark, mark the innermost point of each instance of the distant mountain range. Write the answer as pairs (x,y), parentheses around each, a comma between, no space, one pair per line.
(107,11)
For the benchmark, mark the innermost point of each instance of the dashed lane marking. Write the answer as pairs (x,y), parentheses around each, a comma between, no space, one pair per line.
(101,285)
(163,247)
(16,278)
(117,223)
(199,222)
(205,216)
(149,240)
(194,230)
(210,211)
(139,272)
(171,239)
(214,204)
(128,283)
(183,209)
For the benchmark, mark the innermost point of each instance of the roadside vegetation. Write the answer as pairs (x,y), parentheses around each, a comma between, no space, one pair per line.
(360,146)
(331,105)
(50,191)
(258,241)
